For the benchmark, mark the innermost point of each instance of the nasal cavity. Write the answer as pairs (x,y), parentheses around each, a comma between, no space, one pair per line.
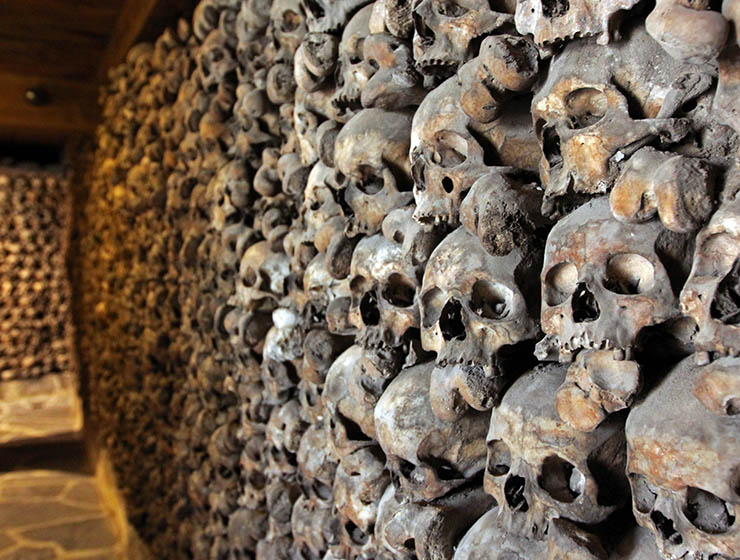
(666,528)
(369,309)
(451,321)
(584,305)
(514,493)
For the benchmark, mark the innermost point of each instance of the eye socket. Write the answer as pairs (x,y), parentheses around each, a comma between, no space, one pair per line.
(560,283)
(451,149)
(560,479)
(586,106)
(399,291)
(707,512)
(629,274)
(491,301)
(451,9)
(499,458)
(643,493)
(432,302)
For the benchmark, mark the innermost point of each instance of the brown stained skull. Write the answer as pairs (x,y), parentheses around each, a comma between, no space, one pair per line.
(330,16)
(604,281)
(353,71)
(683,463)
(446,156)
(584,121)
(216,62)
(540,469)
(315,60)
(384,289)
(551,21)
(371,156)
(263,275)
(428,457)
(445,32)
(710,294)
(395,84)
(475,308)
(288,25)
(410,530)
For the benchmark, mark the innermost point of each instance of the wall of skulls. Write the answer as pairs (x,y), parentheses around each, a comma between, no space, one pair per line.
(445,279)
(36,334)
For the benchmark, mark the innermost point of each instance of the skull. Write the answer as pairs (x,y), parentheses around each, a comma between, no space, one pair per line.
(604,281)
(395,85)
(329,16)
(683,461)
(352,71)
(263,274)
(288,25)
(559,20)
(216,62)
(445,32)
(540,466)
(709,296)
(583,121)
(371,154)
(446,156)
(412,530)
(384,286)
(427,456)
(315,60)
(285,427)
(475,309)
(312,527)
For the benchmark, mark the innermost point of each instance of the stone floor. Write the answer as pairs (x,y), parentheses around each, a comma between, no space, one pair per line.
(53,514)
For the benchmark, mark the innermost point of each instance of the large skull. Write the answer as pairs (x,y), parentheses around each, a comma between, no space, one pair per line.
(558,20)
(429,457)
(540,466)
(216,62)
(352,71)
(446,157)
(603,281)
(475,308)
(395,84)
(710,295)
(584,122)
(371,154)
(330,16)
(444,32)
(384,287)
(683,461)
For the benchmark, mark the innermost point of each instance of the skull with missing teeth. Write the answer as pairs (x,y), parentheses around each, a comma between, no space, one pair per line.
(475,308)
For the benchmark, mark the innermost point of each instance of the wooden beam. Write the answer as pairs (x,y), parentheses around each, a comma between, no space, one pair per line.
(72,108)
(140,20)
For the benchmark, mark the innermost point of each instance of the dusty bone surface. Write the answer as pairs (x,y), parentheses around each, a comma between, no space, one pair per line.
(386,280)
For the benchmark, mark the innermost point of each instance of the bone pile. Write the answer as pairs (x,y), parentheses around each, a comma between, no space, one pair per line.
(445,279)
(36,336)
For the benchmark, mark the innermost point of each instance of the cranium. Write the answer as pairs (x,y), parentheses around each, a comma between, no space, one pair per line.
(418,444)
(709,295)
(539,466)
(384,286)
(445,32)
(683,461)
(582,119)
(558,20)
(395,84)
(371,155)
(352,70)
(288,25)
(216,62)
(262,274)
(475,309)
(315,60)
(324,16)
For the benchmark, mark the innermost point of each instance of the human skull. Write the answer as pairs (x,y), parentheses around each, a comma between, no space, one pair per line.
(428,457)
(603,281)
(216,62)
(288,24)
(371,154)
(539,466)
(263,274)
(444,32)
(327,16)
(583,121)
(683,462)
(395,84)
(551,21)
(709,295)
(446,157)
(315,60)
(475,309)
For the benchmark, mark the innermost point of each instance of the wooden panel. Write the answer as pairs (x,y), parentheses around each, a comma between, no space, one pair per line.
(72,109)
(140,20)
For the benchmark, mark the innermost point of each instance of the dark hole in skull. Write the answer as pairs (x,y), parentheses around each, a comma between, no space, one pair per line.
(442,467)
(514,493)
(369,309)
(451,9)
(291,21)
(432,301)
(448,185)
(491,301)
(666,528)
(357,535)
(726,304)
(322,490)
(406,468)
(425,34)
(586,107)
(315,8)
(707,512)
(351,428)
(562,480)
(450,322)
(499,458)
(560,282)
(551,146)
(409,545)
(584,305)
(399,291)
(554,8)
(606,464)
(451,149)
(629,274)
